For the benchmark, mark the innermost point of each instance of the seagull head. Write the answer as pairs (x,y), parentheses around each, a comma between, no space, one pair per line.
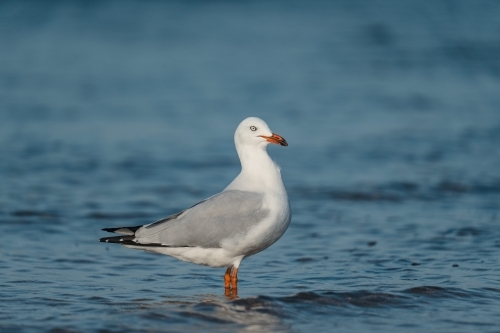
(254,131)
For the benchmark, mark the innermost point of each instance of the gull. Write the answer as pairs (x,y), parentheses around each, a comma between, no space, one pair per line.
(247,217)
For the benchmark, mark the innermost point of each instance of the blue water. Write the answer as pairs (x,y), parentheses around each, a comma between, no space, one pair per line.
(118,113)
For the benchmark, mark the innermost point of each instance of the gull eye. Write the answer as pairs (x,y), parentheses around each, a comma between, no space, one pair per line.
(253,128)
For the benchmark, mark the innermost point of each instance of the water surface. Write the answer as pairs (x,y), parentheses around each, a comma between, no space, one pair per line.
(120,113)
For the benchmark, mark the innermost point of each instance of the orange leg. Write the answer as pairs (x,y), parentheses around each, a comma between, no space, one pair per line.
(231,283)
(227,278)
(234,279)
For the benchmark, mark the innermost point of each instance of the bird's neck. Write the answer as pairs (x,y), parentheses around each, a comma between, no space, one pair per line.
(258,170)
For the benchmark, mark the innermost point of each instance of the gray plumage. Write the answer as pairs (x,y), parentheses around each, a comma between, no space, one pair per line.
(224,215)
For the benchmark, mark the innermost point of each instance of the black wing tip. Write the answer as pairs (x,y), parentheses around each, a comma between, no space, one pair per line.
(108,240)
(116,239)
(127,240)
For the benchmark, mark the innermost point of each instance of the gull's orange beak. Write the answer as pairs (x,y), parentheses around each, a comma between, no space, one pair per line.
(276,139)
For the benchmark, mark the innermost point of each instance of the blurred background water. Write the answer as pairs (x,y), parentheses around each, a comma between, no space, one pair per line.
(118,113)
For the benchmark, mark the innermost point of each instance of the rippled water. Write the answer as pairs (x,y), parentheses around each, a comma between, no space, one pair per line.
(120,113)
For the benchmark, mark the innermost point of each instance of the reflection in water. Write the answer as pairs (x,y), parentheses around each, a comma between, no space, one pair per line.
(271,314)
(249,314)
(231,293)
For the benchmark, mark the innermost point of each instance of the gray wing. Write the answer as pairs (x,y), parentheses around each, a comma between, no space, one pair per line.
(207,223)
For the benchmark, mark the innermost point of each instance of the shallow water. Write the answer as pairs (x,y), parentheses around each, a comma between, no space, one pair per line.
(120,113)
